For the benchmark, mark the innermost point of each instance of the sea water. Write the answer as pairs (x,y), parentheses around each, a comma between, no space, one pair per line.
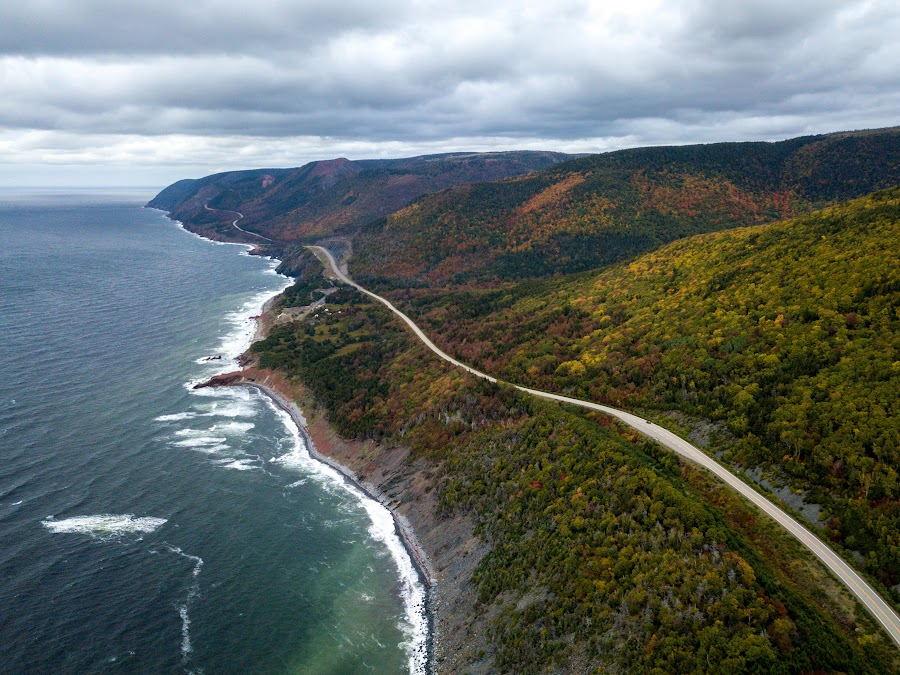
(149,527)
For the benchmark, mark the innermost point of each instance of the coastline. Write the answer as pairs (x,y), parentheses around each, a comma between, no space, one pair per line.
(444,550)
(403,528)
(424,571)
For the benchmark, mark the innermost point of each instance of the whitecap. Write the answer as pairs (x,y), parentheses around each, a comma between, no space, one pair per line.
(298,456)
(104,525)
(176,417)
(243,324)
(199,442)
(238,464)
(209,449)
(227,393)
(231,410)
(415,625)
(181,227)
(232,427)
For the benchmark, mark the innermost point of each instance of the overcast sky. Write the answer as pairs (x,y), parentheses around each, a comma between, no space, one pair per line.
(112,92)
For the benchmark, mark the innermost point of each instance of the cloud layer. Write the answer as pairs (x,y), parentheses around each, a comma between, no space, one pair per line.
(219,84)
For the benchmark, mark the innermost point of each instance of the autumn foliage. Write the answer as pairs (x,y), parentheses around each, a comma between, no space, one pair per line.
(790,333)
(601,209)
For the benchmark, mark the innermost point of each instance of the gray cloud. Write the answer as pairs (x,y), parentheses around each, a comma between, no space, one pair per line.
(78,27)
(326,76)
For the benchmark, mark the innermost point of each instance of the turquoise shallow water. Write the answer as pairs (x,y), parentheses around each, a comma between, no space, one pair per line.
(145,527)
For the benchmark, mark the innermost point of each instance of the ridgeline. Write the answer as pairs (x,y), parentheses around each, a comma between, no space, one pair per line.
(601,209)
(333,197)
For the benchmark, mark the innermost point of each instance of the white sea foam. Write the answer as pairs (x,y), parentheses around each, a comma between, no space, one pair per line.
(221,402)
(415,628)
(383,530)
(200,442)
(219,393)
(232,427)
(236,409)
(213,392)
(243,326)
(228,408)
(192,432)
(183,610)
(105,525)
(236,342)
(213,440)
(176,417)
(181,226)
(298,456)
(239,464)
(219,449)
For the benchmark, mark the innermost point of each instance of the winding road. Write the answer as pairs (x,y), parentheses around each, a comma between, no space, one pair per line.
(240,216)
(870,599)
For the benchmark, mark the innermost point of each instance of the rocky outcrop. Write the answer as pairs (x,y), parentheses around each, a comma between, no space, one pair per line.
(223,380)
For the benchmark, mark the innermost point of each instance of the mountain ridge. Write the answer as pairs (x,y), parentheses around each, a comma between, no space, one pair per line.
(600,209)
(327,197)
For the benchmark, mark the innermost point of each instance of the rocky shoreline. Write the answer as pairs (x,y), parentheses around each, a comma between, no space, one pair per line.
(444,550)
(403,528)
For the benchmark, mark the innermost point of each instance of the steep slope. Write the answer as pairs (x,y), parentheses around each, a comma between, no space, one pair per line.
(600,209)
(322,198)
(789,333)
(592,549)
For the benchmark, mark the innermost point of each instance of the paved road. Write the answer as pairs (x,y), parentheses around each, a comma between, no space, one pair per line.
(870,599)
(235,223)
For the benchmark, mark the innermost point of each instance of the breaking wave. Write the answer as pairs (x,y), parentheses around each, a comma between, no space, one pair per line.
(104,526)
(382,529)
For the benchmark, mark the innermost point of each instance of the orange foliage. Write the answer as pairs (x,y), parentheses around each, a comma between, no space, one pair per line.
(551,194)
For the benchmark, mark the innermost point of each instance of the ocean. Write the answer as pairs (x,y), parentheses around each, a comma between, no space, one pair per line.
(149,527)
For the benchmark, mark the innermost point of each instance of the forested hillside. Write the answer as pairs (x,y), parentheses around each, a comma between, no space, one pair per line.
(789,333)
(725,284)
(337,195)
(604,552)
(605,208)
